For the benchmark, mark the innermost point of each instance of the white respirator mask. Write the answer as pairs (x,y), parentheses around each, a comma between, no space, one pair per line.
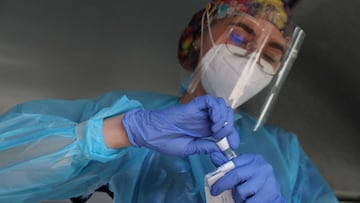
(234,78)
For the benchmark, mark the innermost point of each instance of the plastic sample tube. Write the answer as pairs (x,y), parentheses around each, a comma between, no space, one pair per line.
(224,146)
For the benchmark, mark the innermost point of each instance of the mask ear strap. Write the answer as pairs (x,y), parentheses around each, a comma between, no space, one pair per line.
(202,34)
(195,76)
(207,12)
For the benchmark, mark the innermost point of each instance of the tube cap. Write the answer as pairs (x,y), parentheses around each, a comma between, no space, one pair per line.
(223,144)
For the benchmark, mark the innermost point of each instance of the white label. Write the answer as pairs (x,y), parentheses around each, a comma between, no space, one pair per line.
(211,178)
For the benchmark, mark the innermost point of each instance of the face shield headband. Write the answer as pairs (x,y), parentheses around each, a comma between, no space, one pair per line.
(247,56)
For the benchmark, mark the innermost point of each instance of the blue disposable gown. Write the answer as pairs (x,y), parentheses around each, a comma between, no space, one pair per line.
(54,150)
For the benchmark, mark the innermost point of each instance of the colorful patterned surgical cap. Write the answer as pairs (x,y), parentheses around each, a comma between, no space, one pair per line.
(275,11)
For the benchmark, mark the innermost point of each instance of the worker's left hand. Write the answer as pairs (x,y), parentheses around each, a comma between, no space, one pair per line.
(251,181)
(183,129)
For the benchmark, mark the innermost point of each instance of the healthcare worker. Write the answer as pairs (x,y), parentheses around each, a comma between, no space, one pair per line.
(145,147)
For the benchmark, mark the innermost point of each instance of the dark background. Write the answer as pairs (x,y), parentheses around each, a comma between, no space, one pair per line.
(79,49)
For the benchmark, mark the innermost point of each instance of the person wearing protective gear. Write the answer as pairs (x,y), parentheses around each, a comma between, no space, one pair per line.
(57,149)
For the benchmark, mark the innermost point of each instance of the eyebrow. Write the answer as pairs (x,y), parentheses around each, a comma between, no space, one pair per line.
(277,46)
(247,28)
(251,31)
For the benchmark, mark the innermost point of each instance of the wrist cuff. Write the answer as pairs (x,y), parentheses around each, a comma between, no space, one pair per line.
(131,126)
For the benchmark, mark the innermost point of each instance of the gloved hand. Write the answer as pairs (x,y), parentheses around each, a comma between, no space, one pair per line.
(183,129)
(252,180)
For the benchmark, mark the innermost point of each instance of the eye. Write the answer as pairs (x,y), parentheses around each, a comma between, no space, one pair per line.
(236,39)
(241,39)
(239,36)
(268,58)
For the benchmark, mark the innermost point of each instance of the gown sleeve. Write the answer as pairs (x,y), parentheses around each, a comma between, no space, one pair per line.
(47,143)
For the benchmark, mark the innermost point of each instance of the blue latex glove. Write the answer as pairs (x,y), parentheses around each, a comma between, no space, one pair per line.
(252,180)
(183,129)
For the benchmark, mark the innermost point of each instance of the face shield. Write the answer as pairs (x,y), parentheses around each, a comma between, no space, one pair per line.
(245,60)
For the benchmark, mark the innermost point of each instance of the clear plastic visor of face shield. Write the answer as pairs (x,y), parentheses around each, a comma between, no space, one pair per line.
(245,60)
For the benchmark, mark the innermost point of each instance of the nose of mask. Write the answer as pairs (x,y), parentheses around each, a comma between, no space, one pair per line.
(234,78)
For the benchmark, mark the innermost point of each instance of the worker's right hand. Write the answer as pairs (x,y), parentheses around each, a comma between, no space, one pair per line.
(183,129)
(251,181)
